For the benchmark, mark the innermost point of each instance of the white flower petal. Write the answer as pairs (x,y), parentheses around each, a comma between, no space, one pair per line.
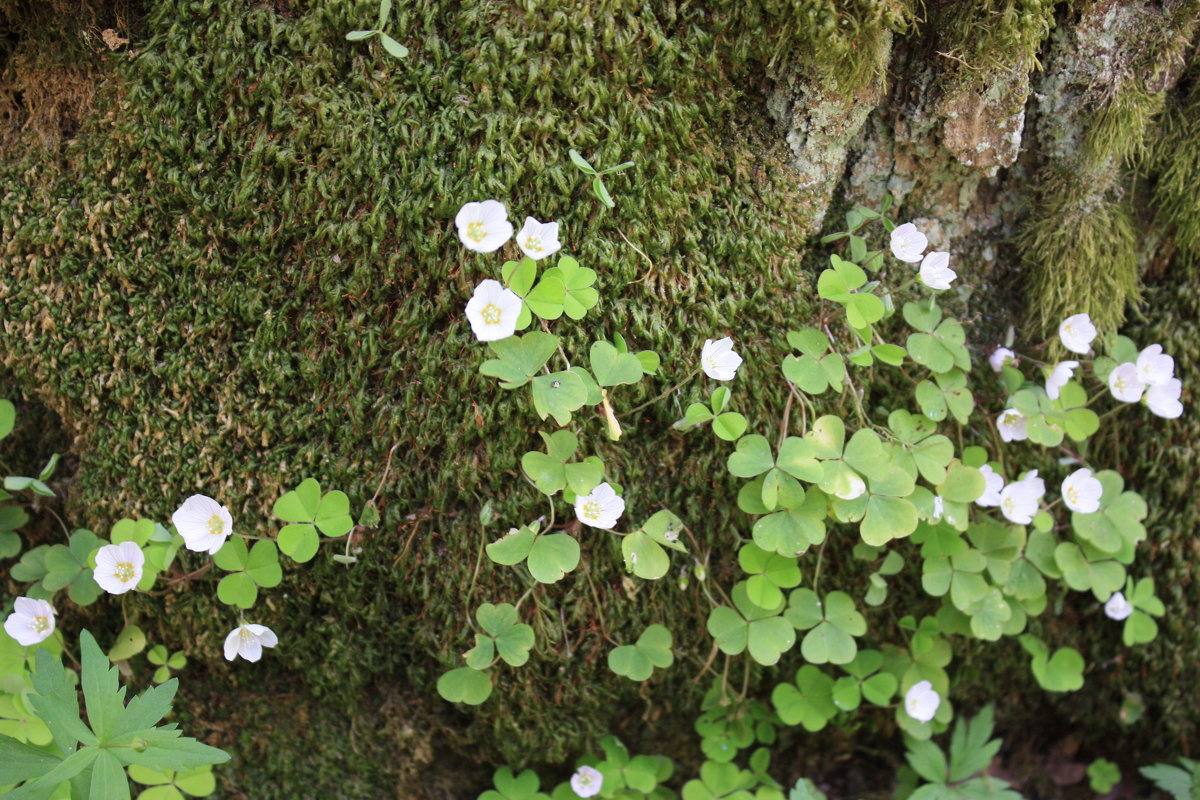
(718,359)
(203,523)
(248,640)
(1077,333)
(994,485)
(1082,492)
(587,782)
(1117,607)
(1012,425)
(31,622)
(600,509)
(935,271)
(493,311)
(483,227)
(999,357)
(538,240)
(1163,399)
(1123,383)
(921,701)
(1155,368)
(1058,377)
(908,244)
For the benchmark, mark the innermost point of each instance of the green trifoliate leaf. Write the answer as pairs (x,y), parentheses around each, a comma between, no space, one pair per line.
(637,661)
(519,358)
(941,350)
(809,702)
(577,282)
(1060,672)
(1103,577)
(512,638)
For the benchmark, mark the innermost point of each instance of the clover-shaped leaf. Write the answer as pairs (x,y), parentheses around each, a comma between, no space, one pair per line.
(166,661)
(558,394)
(249,569)
(923,315)
(808,702)
(167,784)
(876,686)
(637,661)
(577,282)
(720,780)
(1103,576)
(942,349)
(766,634)
(792,531)
(514,787)
(1140,626)
(504,631)
(550,472)
(519,358)
(769,574)
(1060,672)
(309,511)
(815,369)
(552,556)
(1116,528)
(948,392)
(834,624)
(69,567)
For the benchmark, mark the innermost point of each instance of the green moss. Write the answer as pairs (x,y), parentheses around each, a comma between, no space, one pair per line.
(990,36)
(1082,252)
(1174,164)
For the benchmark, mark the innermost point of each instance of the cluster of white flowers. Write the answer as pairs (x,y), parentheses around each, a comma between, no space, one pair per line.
(204,525)
(908,244)
(921,701)
(1152,378)
(484,228)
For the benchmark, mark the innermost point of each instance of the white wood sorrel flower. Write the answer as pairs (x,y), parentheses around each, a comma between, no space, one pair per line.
(1001,356)
(935,271)
(493,311)
(1012,425)
(994,484)
(719,360)
(1077,332)
(119,567)
(1154,367)
(1081,491)
(32,621)
(908,243)
(921,701)
(538,239)
(1124,384)
(1163,400)
(483,227)
(1019,500)
(600,509)
(586,781)
(248,640)
(203,523)
(1059,376)
(1118,607)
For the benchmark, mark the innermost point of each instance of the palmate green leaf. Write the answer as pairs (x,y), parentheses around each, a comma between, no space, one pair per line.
(300,504)
(577,282)
(509,787)
(1103,577)
(792,531)
(519,358)
(546,299)
(751,456)
(809,702)
(637,661)
(1060,672)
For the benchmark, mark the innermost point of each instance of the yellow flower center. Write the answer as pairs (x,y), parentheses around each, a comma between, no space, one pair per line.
(1072,495)
(534,243)
(41,624)
(591,509)
(491,314)
(1010,505)
(124,572)
(1012,420)
(476,231)
(215,525)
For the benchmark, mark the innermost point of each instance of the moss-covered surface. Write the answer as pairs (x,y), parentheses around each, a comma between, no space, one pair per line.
(242,271)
